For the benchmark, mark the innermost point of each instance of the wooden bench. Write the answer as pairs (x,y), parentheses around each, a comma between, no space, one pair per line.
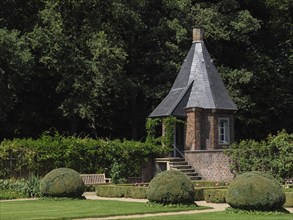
(94,179)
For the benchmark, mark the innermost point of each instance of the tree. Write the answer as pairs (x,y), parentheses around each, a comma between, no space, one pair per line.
(100,68)
(16,62)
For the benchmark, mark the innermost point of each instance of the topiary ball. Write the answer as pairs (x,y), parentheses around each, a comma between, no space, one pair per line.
(255,191)
(62,182)
(171,187)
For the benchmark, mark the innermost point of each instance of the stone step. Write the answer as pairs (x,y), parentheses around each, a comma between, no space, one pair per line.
(186,170)
(170,159)
(190,173)
(179,167)
(178,163)
(195,177)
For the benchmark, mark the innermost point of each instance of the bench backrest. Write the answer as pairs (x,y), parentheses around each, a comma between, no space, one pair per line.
(92,179)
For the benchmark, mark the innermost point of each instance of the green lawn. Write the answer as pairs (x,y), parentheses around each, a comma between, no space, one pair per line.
(68,209)
(221,216)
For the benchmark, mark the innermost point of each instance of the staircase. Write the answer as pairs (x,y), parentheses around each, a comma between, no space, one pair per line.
(177,163)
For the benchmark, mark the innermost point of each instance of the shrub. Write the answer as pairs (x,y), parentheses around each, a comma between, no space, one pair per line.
(203,183)
(12,189)
(289,199)
(215,195)
(274,155)
(171,187)
(211,194)
(138,192)
(198,194)
(11,194)
(62,182)
(32,187)
(128,191)
(255,191)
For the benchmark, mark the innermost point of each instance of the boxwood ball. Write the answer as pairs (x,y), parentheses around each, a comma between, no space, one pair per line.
(171,187)
(255,191)
(62,182)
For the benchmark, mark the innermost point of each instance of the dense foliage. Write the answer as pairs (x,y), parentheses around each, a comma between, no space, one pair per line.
(12,189)
(156,135)
(273,155)
(62,182)
(255,191)
(21,188)
(171,187)
(118,159)
(100,67)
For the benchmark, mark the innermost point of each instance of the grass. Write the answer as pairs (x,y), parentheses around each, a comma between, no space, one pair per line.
(221,216)
(69,209)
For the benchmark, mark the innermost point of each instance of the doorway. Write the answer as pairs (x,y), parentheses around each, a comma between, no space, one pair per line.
(179,139)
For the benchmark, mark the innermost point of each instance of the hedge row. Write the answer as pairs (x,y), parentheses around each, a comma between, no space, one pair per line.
(208,194)
(204,183)
(135,192)
(211,194)
(215,195)
(289,199)
(117,158)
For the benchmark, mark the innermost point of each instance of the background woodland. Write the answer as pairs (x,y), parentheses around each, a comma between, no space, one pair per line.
(98,68)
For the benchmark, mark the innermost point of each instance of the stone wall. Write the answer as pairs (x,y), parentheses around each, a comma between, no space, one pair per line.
(211,165)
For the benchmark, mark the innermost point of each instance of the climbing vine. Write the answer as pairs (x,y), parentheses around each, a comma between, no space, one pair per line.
(167,140)
(151,125)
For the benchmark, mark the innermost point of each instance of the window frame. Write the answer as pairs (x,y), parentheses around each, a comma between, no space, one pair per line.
(224,131)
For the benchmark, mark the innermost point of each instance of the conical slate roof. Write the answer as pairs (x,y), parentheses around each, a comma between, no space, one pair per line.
(198,84)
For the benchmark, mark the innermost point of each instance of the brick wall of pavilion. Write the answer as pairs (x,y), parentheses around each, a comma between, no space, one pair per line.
(202,128)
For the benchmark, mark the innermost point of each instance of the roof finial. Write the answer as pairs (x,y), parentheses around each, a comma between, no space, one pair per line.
(197,34)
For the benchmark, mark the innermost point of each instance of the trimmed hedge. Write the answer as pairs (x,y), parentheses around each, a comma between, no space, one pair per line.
(215,195)
(203,183)
(211,194)
(218,195)
(289,199)
(198,194)
(171,187)
(62,182)
(255,191)
(127,191)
